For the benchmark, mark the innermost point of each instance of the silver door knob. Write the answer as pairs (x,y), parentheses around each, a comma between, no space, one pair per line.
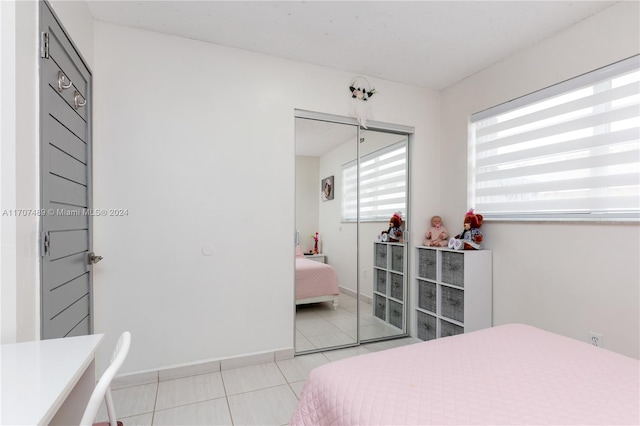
(94,259)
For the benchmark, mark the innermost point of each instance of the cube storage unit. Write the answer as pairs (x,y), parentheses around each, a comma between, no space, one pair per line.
(389,283)
(453,290)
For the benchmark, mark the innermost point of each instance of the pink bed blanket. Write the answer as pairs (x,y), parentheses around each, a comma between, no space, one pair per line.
(315,279)
(511,374)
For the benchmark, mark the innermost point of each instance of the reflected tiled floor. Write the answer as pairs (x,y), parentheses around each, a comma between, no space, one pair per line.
(263,394)
(319,326)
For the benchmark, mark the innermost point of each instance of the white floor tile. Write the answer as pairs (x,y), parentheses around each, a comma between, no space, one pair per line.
(303,344)
(339,354)
(212,412)
(188,390)
(273,406)
(141,420)
(247,379)
(331,340)
(388,344)
(297,388)
(131,401)
(335,313)
(345,324)
(298,369)
(316,327)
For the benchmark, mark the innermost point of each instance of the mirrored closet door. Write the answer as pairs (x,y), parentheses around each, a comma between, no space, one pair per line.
(326,252)
(350,181)
(383,257)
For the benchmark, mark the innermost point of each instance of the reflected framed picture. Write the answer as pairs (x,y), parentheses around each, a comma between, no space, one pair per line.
(327,189)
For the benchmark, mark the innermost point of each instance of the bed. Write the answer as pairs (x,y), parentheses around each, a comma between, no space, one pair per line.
(316,282)
(510,374)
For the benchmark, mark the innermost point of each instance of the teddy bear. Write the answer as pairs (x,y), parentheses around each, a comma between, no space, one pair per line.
(471,237)
(437,235)
(394,233)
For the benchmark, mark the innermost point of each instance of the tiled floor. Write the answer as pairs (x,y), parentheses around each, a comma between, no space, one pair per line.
(318,325)
(263,394)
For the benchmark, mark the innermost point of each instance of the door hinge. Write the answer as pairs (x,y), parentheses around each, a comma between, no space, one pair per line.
(44,45)
(45,243)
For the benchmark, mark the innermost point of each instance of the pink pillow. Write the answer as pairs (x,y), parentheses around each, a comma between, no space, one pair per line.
(299,252)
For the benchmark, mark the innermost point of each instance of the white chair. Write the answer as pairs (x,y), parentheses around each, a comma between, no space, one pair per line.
(103,387)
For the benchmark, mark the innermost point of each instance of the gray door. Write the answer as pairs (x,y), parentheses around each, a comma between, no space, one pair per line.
(65,148)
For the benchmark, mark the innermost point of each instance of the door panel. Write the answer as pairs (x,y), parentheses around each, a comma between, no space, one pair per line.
(62,138)
(67,276)
(66,243)
(73,218)
(63,322)
(61,164)
(64,113)
(72,290)
(64,191)
(64,270)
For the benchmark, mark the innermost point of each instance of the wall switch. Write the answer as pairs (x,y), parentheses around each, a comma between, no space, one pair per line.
(596,339)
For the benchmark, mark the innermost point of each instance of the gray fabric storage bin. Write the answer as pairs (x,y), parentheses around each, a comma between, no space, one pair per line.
(427,264)
(380,307)
(453,268)
(381,281)
(397,290)
(426,326)
(449,329)
(452,303)
(395,314)
(397,258)
(381,255)
(427,296)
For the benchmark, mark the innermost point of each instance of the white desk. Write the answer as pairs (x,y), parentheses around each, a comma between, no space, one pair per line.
(47,381)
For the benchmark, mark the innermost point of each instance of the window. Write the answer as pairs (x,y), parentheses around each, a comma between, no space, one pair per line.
(569,151)
(383,185)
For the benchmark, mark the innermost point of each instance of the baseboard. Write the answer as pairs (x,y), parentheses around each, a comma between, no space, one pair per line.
(199,367)
(363,297)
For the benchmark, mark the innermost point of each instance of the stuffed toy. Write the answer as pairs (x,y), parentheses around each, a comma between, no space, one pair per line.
(394,233)
(437,235)
(471,237)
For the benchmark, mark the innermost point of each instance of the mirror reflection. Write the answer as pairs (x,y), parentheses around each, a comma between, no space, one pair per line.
(326,251)
(383,211)
(351,189)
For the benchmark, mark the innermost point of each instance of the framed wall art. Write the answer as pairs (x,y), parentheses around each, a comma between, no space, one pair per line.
(327,188)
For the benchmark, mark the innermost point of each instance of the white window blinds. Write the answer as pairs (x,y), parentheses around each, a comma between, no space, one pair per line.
(570,151)
(383,185)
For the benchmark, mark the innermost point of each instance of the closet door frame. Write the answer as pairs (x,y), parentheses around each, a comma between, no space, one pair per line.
(388,128)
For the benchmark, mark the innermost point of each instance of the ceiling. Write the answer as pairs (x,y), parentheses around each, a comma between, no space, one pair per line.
(431,44)
(315,137)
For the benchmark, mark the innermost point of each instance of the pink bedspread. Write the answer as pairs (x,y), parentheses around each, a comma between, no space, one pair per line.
(511,374)
(315,279)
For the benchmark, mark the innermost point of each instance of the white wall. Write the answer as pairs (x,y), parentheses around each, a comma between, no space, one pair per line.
(569,278)
(8,291)
(197,141)
(307,199)
(78,22)
(339,238)
(20,291)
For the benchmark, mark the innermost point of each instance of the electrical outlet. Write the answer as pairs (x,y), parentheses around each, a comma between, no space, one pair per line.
(596,339)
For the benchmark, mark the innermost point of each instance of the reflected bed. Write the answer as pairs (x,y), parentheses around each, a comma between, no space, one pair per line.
(315,282)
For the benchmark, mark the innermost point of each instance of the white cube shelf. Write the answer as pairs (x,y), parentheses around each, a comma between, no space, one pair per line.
(453,291)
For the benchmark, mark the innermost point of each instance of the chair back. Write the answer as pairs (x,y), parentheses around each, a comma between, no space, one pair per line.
(102,389)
